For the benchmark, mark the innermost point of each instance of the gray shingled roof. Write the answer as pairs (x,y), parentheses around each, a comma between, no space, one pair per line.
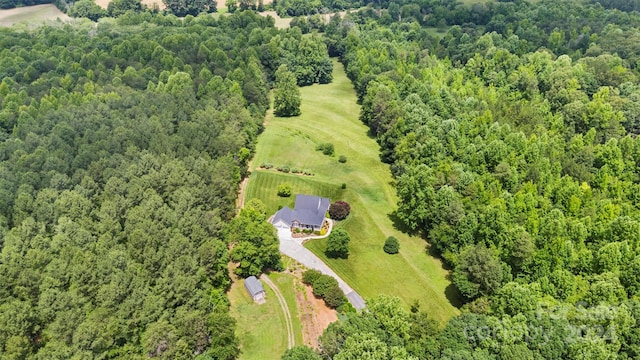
(253,286)
(309,210)
(285,214)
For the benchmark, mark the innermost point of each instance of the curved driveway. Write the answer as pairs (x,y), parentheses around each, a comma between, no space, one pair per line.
(292,247)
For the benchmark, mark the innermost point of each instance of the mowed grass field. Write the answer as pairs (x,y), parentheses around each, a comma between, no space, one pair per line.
(330,114)
(31,15)
(261,328)
(285,283)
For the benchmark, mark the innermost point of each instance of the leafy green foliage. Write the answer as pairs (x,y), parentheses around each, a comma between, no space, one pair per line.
(298,7)
(342,159)
(286,95)
(124,148)
(300,352)
(310,276)
(391,245)
(338,244)
(284,190)
(9,4)
(305,56)
(88,9)
(519,165)
(477,272)
(326,287)
(119,7)
(383,332)
(190,7)
(254,241)
(326,148)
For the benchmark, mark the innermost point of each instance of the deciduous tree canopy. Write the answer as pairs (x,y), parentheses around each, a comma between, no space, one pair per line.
(338,244)
(286,95)
(122,149)
(513,143)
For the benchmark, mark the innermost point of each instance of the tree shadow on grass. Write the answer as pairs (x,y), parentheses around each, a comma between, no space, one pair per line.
(453,295)
(451,291)
(370,133)
(399,225)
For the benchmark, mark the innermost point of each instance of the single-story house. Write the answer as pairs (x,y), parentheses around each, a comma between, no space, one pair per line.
(255,289)
(308,213)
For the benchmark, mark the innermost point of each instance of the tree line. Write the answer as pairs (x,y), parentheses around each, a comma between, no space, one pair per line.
(122,149)
(515,153)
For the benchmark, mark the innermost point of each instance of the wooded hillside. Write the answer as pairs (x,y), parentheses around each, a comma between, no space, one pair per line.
(122,149)
(513,141)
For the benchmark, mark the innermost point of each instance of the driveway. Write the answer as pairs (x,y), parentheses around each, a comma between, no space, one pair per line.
(292,247)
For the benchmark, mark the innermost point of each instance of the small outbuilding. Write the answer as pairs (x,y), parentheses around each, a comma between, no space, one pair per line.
(255,289)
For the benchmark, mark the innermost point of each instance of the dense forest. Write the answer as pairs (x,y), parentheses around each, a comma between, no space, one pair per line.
(512,135)
(122,149)
(513,142)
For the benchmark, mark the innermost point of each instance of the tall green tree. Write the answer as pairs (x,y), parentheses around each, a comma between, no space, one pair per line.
(254,241)
(190,7)
(88,9)
(286,95)
(477,272)
(300,352)
(338,244)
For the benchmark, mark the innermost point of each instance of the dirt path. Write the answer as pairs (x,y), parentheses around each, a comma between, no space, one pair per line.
(315,315)
(242,191)
(285,309)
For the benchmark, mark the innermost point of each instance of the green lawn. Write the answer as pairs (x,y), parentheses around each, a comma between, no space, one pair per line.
(330,114)
(261,328)
(285,283)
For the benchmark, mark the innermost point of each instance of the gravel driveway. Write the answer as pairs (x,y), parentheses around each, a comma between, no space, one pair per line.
(293,248)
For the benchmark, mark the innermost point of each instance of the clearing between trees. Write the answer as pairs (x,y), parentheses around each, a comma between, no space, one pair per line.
(262,328)
(31,14)
(330,114)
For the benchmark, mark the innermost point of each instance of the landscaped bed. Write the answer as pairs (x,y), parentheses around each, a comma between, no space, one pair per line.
(300,233)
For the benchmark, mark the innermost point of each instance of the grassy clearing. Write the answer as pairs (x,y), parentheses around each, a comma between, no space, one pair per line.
(285,283)
(263,185)
(31,14)
(261,328)
(281,23)
(330,114)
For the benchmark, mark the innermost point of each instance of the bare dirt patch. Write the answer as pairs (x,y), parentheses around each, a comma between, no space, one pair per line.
(314,314)
(31,14)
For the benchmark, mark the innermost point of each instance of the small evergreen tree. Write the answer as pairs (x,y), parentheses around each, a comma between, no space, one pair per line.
(284,190)
(391,245)
(334,297)
(286,95)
